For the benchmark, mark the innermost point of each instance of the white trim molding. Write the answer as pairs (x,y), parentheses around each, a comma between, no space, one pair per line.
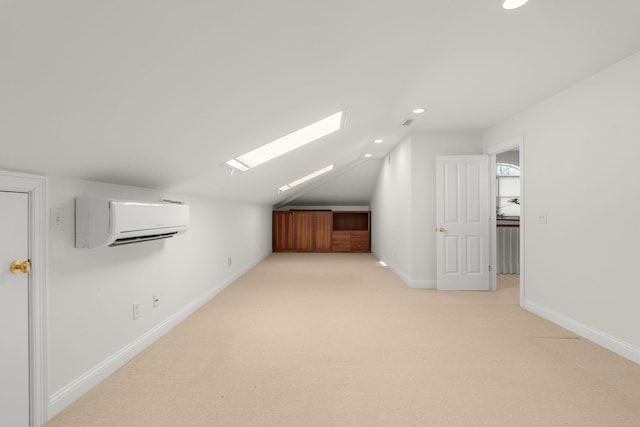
(624,349)
(412,283)
(94,376)
(37,189)
(423,284)
(516,142)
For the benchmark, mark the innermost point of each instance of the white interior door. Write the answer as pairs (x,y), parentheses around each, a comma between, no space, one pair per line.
(14,310)
(462,222)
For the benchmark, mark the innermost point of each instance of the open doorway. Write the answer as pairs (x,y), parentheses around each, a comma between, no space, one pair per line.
(507,215)
(507,182)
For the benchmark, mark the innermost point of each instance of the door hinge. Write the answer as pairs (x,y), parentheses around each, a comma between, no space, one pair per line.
(489,268)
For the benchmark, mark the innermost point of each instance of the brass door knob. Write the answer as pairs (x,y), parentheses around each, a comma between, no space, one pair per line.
(441,230)
(18,267)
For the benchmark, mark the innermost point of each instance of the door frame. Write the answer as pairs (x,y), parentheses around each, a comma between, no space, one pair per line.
(517,142)
(37,189)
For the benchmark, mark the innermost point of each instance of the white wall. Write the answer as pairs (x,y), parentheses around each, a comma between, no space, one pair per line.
(581,152)
(92,291)
(391,211)
(403,206)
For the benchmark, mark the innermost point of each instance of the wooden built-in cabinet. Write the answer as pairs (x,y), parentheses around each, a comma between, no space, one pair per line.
(351,231)
(321,231)
(302,231)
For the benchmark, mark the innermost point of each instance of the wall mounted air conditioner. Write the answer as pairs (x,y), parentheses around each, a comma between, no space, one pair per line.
(107,222)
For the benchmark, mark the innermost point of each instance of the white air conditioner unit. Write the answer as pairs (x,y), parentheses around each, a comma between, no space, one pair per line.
(106,222)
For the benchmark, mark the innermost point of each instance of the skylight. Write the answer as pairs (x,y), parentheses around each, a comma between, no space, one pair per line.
(513,4)
(307,178)
(236,164)
(288,142)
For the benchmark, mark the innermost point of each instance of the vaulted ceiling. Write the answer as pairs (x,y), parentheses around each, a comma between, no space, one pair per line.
(162,93)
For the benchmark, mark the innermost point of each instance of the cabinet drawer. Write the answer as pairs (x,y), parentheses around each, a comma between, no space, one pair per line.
(359,241)
(360,246)
(341,247)
(359,235)
(340,241)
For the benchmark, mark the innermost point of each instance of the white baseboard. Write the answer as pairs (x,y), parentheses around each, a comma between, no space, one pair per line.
(94,376)
(400,274)
(423,284)
(624,349)
(415,284)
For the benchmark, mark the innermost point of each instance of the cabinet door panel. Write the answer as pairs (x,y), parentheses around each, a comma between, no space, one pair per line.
(303,224)
(283,232)
(323,226)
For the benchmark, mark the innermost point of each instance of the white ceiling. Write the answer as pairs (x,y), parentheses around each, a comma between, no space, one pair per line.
(161,93)
(351,185)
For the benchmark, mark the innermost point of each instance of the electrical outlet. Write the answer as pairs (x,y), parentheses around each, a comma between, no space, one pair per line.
(136,311)
(156,301)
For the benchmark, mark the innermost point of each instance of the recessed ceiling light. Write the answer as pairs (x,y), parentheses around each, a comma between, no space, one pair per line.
(289,142)
(513,4)
(418,111)
(378,141)
(306,178)
(368,155)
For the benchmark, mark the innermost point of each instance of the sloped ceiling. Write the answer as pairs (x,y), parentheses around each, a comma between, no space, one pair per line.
(162,93)
(351,185)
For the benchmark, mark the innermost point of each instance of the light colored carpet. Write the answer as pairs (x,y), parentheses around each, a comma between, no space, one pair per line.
(338,340)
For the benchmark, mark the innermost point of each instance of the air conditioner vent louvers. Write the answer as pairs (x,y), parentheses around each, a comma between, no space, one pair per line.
(407,122)
(129,240)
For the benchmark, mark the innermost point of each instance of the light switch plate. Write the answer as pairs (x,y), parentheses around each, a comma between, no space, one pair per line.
(57,219)
(542,218)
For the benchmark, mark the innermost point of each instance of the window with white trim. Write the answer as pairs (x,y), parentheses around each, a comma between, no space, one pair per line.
(508,194)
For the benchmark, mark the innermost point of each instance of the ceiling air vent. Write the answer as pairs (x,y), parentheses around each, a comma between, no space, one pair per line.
(407,122)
